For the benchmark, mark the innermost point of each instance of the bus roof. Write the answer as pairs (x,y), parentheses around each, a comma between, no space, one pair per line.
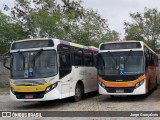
(32,39)
(78,45)
(62,42)
(129,41)
(121,41)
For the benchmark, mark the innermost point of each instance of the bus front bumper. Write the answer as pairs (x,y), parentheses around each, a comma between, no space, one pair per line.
(52,95)
(125,91)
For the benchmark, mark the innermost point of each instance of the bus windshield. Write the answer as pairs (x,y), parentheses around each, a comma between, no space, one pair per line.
(121,63)
(34,64)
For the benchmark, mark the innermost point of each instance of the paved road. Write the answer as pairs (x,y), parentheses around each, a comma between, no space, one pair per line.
(91,102)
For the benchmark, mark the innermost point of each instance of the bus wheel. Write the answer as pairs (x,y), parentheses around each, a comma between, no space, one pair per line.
(112,96)
(79,91)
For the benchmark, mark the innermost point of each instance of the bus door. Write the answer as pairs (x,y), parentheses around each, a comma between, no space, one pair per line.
(90,70)
(64,73)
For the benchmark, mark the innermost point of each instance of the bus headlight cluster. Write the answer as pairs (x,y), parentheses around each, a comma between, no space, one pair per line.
(51,87)
(139,84)
(102,85)
(12,90)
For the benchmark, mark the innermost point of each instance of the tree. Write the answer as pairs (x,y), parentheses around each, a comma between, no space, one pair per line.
(68,20)
(112,35)
(90,29)
(9,32)
(146,27)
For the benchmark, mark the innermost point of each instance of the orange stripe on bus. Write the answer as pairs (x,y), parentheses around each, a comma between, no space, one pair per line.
(121,84)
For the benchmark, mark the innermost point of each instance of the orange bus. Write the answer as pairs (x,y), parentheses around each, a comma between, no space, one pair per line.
(126,68)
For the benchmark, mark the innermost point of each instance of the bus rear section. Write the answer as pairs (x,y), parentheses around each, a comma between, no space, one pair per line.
(127,71)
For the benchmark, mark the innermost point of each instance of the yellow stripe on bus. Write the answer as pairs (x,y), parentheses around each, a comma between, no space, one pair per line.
(76,45)
(121,84)
(33,39)
(38,88)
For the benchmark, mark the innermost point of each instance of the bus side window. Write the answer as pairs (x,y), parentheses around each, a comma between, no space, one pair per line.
(65,64)
(88,58)
(146,61)
(78,57)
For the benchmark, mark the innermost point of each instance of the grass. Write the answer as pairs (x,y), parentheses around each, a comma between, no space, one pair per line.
(4,89)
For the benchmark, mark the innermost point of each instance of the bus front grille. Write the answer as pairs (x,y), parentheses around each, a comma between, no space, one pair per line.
(32,95)
(123,90)
(31,82)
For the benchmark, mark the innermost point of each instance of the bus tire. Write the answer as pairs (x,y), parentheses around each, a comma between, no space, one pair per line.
(112,96)
(79,91)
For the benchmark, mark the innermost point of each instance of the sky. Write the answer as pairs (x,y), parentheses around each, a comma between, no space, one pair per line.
(114,11)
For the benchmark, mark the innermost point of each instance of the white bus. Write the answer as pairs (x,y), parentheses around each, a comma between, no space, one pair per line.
(48,69)
(126,68)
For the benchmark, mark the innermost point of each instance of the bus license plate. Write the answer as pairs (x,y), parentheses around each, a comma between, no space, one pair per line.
(120,91)
(29,96)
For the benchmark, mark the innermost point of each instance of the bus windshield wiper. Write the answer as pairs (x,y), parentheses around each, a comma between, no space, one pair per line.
(23,58)
(112,57)
(36,56)
(129,54)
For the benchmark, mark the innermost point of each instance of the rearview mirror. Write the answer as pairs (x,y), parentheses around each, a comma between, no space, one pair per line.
(6,61)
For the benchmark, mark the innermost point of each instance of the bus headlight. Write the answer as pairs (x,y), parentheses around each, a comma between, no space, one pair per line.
(139,84)
(101,84)
(51,87)
(12,90)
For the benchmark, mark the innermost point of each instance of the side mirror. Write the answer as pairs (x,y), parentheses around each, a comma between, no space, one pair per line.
(6,61)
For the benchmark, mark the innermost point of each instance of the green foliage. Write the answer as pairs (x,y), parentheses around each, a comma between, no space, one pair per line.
(110,36)
(146,27)
(4,89)
(133,33)
(9,32)
(68,21)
